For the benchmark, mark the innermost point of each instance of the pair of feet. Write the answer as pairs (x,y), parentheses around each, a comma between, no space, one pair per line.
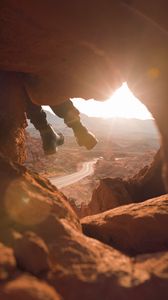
(51,140)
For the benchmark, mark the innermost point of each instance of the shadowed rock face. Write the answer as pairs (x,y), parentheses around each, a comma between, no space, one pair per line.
(43,249)
(64,47)
(87,49)
(12,119)
(84,49)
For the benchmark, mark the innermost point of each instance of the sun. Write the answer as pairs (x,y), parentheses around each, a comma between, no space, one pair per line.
(123,104)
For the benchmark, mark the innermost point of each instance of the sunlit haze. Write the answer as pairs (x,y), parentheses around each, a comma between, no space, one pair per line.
(122,104)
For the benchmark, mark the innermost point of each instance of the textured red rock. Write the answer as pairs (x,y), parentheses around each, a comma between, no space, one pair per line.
(109,194)
(12,118)
(156,264)
(80,267)
(114,192)
(134,228)
(30,199)
(148,183)
(32,253)
(27,288)
(7,262)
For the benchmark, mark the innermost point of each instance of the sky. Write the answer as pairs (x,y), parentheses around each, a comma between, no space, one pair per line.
(122,104)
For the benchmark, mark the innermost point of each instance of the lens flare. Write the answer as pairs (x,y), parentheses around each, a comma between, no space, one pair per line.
(24,204)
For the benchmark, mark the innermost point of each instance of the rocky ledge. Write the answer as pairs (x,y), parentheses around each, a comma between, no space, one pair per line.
(44,255)
(114,192)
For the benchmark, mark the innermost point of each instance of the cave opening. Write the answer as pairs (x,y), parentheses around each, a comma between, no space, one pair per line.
(115,172)
(63,206)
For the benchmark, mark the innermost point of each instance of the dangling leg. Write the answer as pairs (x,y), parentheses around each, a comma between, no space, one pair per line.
(71,117)
(50,139)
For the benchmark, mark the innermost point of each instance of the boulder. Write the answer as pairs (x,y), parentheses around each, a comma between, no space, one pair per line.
(30,200)
(133,229)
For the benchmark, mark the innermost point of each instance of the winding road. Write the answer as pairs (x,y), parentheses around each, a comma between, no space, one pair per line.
(63,181)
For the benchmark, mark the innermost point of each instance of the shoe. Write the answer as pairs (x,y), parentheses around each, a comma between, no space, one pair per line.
(85,138)
(51,140)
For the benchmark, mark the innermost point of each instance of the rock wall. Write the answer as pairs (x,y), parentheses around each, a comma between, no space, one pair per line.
(12,118)
(148,183)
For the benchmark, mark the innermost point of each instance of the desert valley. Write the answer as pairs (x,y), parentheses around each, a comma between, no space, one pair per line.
(125,147)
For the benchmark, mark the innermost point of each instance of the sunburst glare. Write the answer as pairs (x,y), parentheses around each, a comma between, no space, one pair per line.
(123,104)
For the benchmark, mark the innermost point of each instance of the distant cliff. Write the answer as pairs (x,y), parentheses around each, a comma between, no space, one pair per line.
(117,127)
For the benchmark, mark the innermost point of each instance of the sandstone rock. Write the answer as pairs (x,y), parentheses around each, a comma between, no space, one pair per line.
(28,199)
(148,183)
(134,228)
(32,253)
(80,267)
(59,41)
(12,118)
(109,194)
(114,192)
(87,269)
(155,264)
(27,288)
(7,262)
